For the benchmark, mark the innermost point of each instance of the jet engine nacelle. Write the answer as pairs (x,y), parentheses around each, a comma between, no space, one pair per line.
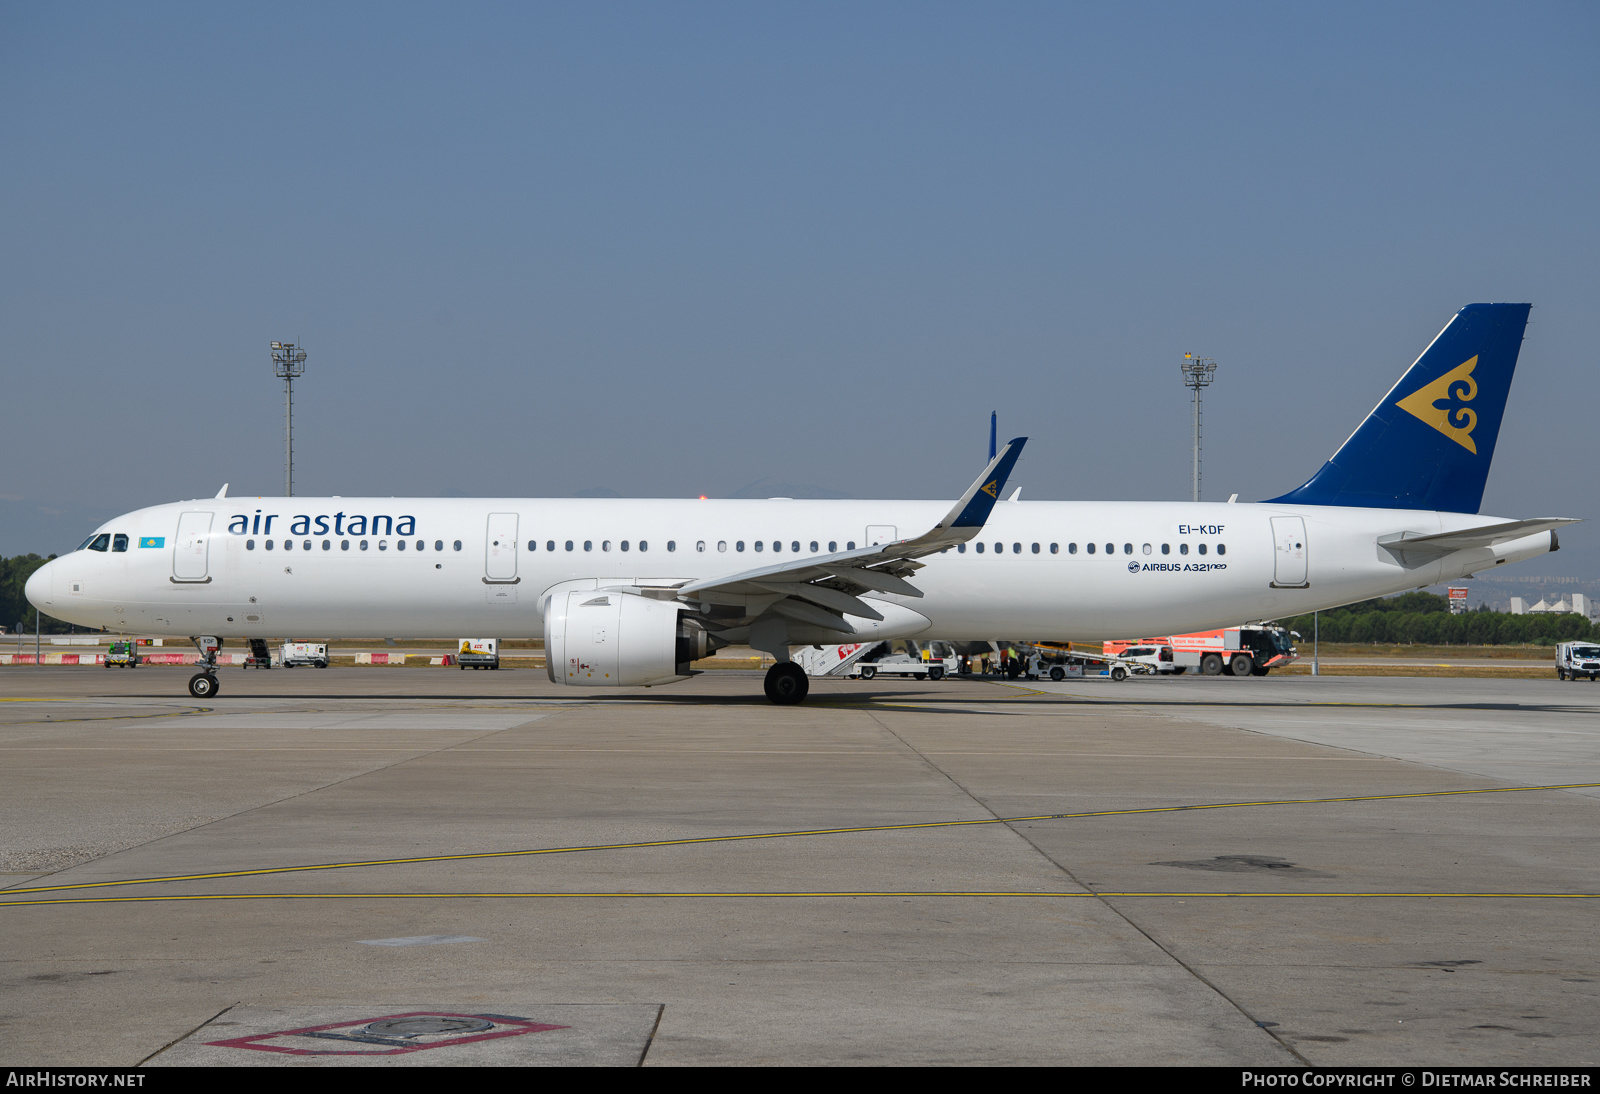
(603,638)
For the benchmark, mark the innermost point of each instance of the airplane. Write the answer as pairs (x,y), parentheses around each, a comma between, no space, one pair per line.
(628,593)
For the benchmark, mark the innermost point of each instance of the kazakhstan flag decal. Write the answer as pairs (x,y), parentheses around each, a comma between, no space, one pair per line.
(152,541)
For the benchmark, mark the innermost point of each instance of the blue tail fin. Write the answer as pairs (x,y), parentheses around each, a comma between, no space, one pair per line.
(1429,442)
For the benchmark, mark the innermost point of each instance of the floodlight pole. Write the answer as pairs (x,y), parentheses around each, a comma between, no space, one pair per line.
(288,363)
(1197,373)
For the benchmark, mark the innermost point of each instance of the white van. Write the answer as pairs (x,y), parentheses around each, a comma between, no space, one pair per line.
(1575,659)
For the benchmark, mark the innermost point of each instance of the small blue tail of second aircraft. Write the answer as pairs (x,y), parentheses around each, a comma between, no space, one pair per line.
(1429,443)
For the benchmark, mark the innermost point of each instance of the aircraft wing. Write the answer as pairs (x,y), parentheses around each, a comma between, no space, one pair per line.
(1488,535)
(822,589)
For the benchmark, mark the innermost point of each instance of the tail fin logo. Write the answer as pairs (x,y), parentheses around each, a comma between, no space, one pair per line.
(1441,404)
(992,488)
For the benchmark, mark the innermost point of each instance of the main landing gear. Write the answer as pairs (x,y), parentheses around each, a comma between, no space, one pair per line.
(787,683)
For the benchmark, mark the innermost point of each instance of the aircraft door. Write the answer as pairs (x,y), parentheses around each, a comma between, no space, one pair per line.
(1289,552)
(500,549)
(880,533)
(191,547)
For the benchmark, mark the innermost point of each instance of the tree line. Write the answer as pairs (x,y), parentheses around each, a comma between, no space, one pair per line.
(1425,619)
(14,607)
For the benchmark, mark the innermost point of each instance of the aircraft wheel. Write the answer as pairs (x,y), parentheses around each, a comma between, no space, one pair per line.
(1058,673)
(1211,665)
(787,683)
(1119,673)
(868,672)
(202,685)
(1242,664)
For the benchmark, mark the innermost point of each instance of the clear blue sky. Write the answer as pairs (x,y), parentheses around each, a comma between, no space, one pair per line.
(671,249)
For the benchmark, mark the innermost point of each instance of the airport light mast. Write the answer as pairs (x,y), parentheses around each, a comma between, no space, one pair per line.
(288,364)
(1197,373)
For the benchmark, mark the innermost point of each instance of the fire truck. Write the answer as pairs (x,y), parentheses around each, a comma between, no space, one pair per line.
(1250,650)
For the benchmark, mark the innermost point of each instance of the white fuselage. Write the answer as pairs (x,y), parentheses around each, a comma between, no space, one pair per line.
(324,568)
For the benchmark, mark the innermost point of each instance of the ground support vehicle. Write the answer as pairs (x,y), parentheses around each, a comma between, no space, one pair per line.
(123,655)
(1250,650)
(1578,660)
(293,654)
(478,653)
(900,664)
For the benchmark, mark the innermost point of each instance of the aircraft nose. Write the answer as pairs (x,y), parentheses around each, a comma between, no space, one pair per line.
(38,588)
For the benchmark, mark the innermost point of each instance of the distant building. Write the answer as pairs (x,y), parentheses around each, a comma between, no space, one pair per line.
(1578,604)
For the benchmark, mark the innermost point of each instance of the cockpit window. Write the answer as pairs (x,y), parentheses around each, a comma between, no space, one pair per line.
(100,542)
(84,546)
(119,543)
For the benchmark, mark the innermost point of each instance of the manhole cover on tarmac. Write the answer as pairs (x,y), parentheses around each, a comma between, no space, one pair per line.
(564,1034)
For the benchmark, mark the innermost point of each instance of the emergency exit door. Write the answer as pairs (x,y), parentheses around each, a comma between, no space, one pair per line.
(1289,553)
(500,549)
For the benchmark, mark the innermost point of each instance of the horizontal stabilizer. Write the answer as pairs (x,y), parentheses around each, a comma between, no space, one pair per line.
(1489,535)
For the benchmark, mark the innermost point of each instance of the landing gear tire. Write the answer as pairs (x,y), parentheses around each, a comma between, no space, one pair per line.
(202,685)
(787,683)
(1242,664)
(1211,665)
(1119,674)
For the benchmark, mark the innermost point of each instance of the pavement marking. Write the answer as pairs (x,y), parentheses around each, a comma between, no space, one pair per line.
(905,894)
(780,835)
(420,940)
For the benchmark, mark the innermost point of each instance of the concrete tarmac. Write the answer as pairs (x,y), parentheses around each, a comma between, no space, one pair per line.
(1429,926)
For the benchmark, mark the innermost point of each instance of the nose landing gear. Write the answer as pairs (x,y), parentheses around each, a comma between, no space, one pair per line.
(203,684)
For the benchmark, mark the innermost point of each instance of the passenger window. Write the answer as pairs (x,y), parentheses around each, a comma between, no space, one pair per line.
(672,545)
(722,545)
(327,545)
(1222,549)
(739,546)
(833,545)
(119,543)
(1072,548)
(605,545)
(1202,548)
(533,545)
(1016,548)
(269,545)
(1035,548)
(961,548)
(699,545)
(1148,548)
(588,545)
(288,545)
(306,545)
(1183,548)
(624,545)
(1111,548)
(1055,548)
(438,545)
(644,545)
(999,548)
(399,545)
(1166,548)
(813,546)
(759,545)
(383,545)
(363,545)
(101,542)
(1127,548)
(978,547)
(549,545)
(249,545)
(1089,547)
(420,545)
(458,544)
(850,546)
(569,545)
(344,545)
